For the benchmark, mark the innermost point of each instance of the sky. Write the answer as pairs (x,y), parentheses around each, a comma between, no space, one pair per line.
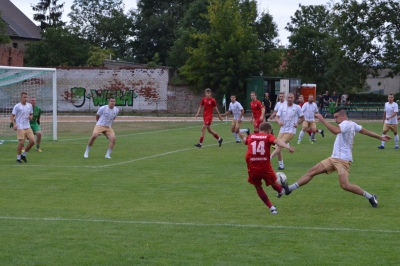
(280,10)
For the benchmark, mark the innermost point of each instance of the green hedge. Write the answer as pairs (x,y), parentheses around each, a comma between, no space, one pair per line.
(371,97)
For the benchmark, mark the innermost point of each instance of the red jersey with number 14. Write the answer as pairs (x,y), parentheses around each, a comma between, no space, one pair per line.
(258,151)
(256,109)
(209,105)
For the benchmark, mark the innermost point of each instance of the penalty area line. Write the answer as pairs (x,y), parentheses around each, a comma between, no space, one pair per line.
(200,224)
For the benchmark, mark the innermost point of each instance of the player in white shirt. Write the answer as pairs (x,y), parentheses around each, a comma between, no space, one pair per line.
(289,116)
(281,98)
(390,121)
(20,117)
(104,117)
(237,110)
(309,110)
(341,156)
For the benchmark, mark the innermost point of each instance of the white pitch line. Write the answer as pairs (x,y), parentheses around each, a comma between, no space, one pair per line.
(200,224)
(119,163)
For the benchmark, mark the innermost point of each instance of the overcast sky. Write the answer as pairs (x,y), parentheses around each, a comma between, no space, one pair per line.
(280,10)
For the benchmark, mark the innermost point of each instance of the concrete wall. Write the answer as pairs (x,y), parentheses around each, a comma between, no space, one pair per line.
(389,85)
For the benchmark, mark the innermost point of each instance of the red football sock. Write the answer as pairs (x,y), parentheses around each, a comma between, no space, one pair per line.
(216,136)
(309,132)
(277,187)
(201,140)
(264,197)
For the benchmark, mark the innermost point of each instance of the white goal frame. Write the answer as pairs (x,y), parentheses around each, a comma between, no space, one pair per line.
(54,77)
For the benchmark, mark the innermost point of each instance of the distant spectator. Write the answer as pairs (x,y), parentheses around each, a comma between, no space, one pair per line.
(334,98)
(347,99)
(321,104)
(326,98)
(267,106)
(343,99)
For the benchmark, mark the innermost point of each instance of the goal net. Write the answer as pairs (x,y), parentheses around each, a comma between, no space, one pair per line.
(39,83)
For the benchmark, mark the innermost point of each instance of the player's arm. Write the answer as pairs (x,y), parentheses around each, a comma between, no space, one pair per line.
(241,114)
(219,115)
(282,144)
(198,111)
(262,113)
(374,135)
(384,116)
(335,130)
(301,119)
(97,117)
(393,115)
(227,112)
(273,114)
(12,118)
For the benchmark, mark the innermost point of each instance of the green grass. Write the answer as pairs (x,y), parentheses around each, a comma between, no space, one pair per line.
(161,201)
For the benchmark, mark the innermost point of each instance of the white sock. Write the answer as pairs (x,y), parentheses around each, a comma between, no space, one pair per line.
(367,195)
(293,186)
(236,136)
(24,153)
(243,130)
(301,135)
(319,131)
(281,165)
(87,148)
(18,157)
(396,140)
(383,143)
(108,152)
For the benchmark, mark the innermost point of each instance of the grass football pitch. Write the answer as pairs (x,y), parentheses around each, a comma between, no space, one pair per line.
(161,201)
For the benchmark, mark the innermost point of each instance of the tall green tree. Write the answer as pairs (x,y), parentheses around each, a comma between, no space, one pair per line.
(58,47)
(48,13)
(102,23)
(369,32)
(155,24)
(4,39)
(227,55)
(315,54)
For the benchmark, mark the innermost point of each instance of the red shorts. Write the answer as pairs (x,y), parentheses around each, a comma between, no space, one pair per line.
(257,175)
(207,121)
(257,123)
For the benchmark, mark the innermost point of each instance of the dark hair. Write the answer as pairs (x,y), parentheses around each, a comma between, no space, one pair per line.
(340,110)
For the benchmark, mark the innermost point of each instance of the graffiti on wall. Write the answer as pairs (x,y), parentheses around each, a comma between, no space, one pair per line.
(77,97)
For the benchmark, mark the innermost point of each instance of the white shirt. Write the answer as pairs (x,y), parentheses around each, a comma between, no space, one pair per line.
(277,105)
(309,110)
(342,149)
(236,109)
(22,113)
(390,109)
(289,115)
(107,115)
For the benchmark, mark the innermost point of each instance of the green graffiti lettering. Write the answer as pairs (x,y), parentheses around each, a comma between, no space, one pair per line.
(125,98)
(99,97)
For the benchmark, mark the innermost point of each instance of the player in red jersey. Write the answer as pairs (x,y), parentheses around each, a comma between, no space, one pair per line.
(209,105)
(258,112)
(259,164)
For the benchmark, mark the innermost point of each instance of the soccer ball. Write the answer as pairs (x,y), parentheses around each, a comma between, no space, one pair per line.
(281,178)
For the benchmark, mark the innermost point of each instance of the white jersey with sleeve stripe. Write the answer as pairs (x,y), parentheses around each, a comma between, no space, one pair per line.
(107,115)
(236,109)
(342,149)
(390,109)
(289,115)
(309,110)
(22,113)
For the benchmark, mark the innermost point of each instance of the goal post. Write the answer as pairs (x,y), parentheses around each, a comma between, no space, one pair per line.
(40,83)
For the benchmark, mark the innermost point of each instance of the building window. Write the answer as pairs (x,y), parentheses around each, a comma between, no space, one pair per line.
(15,45)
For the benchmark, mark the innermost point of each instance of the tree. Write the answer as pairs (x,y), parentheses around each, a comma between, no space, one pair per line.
(369,32)
(102,23)
(49,13)
(4,39)
(227,55)
(155,24)
(97,56)
(58,47)
(315,53)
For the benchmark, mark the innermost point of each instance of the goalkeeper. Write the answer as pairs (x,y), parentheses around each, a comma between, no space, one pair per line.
(35,123)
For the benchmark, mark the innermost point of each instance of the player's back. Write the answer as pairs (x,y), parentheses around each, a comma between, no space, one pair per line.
(258,150)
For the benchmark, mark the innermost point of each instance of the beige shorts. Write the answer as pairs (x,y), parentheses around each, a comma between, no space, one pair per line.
(392,127)
(103,130)
(236,123)
(338,165)
(309,124)
(285,137)
(25,133)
